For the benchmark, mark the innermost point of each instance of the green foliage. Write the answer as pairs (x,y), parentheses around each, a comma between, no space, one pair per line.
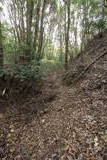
(29,71)
(86,21)
(23,48)
(49,66)
(101,24)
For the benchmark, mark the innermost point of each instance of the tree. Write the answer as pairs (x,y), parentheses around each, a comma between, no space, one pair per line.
(40,43)
(29,18)
(68,24)
(1,42)
(67,29)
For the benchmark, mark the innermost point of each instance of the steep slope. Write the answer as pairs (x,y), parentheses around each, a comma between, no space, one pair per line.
(73,124)
(91,64)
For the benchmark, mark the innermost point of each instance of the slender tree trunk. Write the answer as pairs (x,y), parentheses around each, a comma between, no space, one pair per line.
(37,24)
(103,10)
(1,46)
(61,49)
(40,45)
(13,18)
(60,36)
(30,7)
(22,22)
(83,32)
(75,32)
(67,35)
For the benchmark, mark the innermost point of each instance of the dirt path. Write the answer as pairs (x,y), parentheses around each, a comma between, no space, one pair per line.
(72,126)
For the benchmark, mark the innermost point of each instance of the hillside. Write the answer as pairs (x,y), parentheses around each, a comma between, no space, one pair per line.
(92,63)
(62,122)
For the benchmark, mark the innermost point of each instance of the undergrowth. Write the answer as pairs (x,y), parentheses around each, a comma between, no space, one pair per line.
(31,71)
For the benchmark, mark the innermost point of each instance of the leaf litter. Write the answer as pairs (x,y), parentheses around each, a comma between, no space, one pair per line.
(61,122)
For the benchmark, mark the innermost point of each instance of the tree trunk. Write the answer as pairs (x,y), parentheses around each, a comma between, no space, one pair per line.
(37,24)
(67,35)
(40,45)
(1,47)
(29,16)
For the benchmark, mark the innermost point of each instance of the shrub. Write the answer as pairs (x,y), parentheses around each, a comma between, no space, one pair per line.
(101,24)
(29,71)
(49,66)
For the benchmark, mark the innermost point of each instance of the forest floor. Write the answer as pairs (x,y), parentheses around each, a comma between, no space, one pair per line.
(60,123)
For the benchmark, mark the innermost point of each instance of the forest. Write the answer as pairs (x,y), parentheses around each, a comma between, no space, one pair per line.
(53,79)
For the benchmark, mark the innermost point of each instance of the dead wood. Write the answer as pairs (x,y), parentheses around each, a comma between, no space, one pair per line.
(88,67)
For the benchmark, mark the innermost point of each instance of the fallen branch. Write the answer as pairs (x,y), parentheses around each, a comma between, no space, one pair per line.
(88,67)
